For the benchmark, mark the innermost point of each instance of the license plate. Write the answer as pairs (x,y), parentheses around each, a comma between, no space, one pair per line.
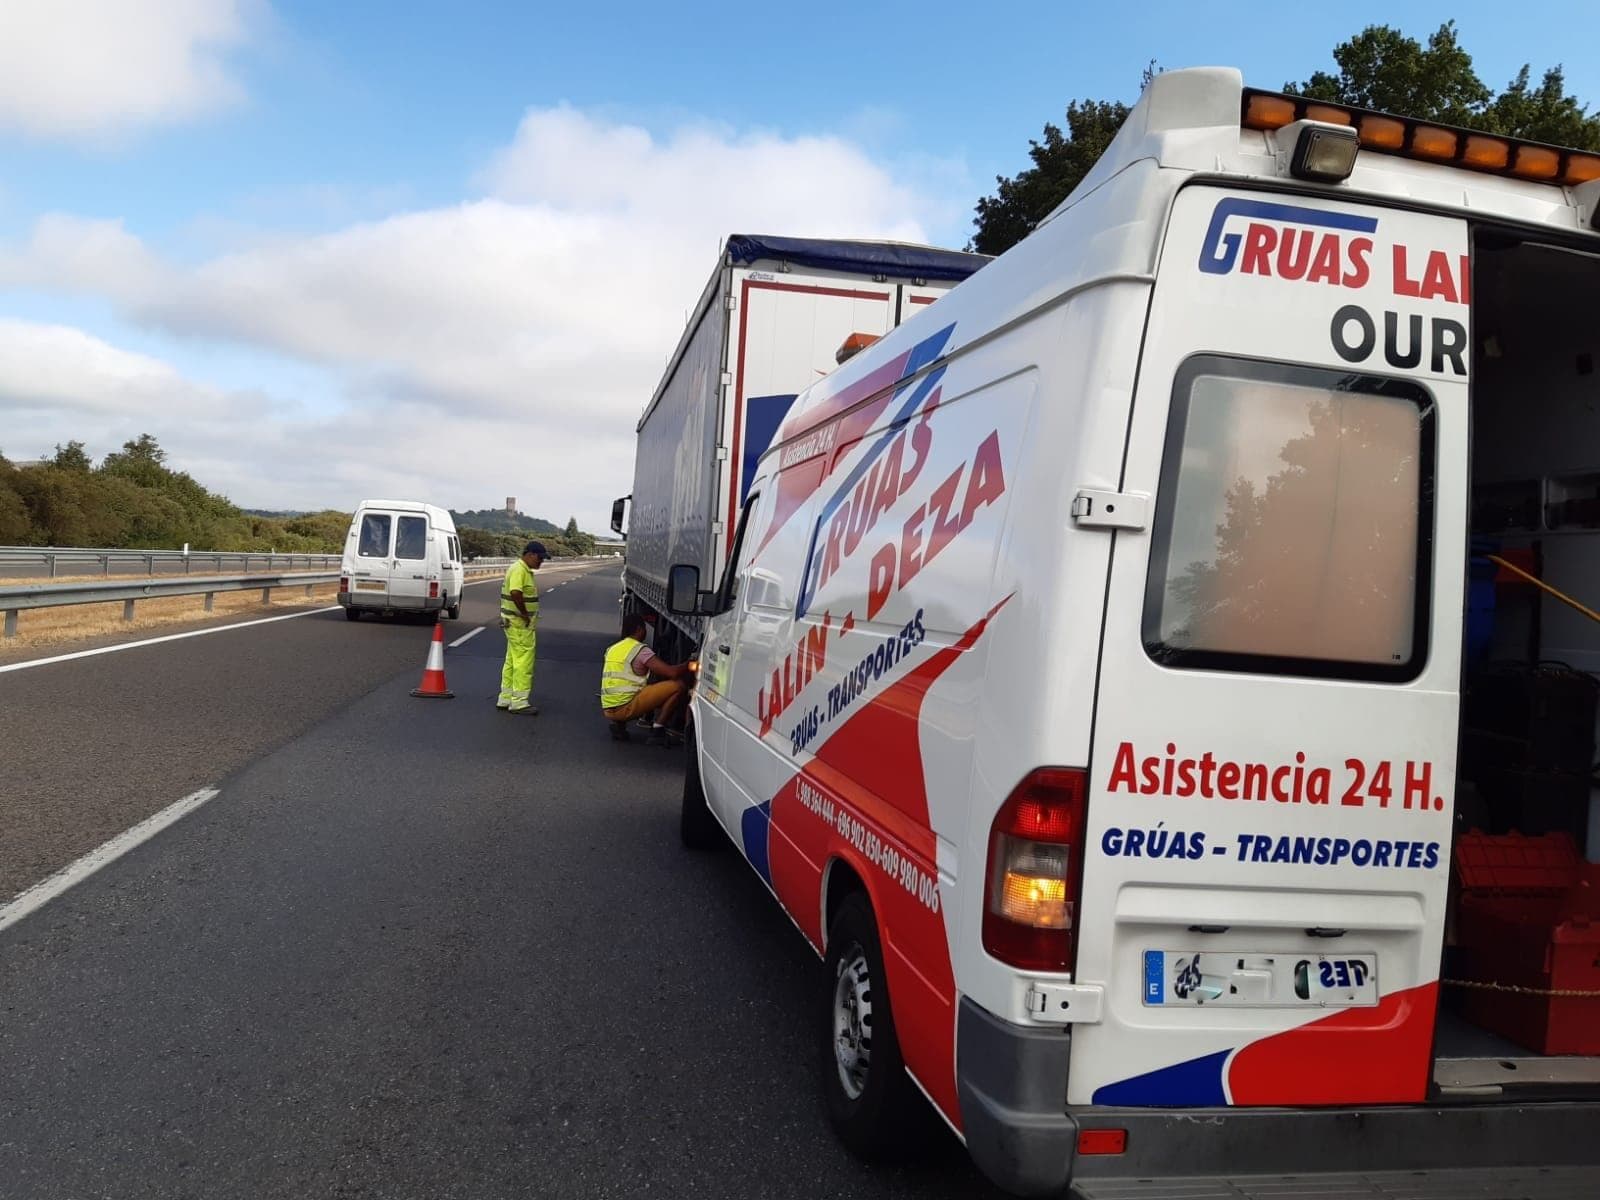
(1224,979)
(370,585)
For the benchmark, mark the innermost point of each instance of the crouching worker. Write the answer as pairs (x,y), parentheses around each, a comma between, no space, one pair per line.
(625,692)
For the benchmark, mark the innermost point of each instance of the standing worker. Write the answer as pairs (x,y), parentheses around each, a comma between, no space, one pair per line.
(519,616)
(624,693)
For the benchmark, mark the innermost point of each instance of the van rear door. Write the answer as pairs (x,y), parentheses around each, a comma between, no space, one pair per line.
(372,558)
(413,541)
(1272,769)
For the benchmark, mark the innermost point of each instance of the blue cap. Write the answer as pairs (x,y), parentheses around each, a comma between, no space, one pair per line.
(536,548)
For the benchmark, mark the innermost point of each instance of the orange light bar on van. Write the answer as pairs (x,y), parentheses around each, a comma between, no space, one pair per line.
(1537,162)
(1262,110)
(1382,133)
(1581,168)
(1428,141)
(1487,153)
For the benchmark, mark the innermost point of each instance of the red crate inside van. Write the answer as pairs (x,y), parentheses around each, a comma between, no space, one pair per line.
(1529,916)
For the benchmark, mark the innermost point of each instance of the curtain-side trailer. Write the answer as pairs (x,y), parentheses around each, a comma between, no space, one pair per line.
(772,319)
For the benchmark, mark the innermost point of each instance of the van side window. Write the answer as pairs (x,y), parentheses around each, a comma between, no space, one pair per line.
(1294,525)
(374,536)
(411,539)
(729,591)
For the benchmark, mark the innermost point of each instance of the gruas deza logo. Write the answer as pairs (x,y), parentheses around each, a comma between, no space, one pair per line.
(1287,241)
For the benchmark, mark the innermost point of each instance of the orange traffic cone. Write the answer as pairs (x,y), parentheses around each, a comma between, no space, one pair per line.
(433,684)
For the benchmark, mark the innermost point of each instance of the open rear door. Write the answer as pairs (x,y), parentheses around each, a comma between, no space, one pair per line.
(1275,732)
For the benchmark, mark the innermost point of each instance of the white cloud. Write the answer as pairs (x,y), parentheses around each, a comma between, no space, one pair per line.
(503,346)
(86,69)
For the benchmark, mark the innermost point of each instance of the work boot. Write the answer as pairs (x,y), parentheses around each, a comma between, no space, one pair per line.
(526,710)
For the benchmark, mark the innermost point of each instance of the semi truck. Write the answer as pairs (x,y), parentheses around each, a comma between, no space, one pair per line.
(774,317)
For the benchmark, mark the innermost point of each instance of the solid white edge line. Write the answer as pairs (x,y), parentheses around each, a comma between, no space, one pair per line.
(468,636)
(156,641)
(178,637)
(41,893)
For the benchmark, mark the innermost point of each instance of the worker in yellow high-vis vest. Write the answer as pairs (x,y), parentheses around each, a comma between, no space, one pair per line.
(625,692)
(519,617)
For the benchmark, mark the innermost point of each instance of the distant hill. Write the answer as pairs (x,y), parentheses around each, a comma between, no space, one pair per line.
(279,514)
(497,520)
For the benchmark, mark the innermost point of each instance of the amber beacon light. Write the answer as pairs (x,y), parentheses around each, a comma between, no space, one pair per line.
(1321,149)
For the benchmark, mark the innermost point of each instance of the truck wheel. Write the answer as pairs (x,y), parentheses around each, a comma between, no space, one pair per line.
(874,1106)
(352,614)
(697,827)
(454,611)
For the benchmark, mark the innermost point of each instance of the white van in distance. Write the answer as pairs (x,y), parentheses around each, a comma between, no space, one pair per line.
(1093,680)
(401,556)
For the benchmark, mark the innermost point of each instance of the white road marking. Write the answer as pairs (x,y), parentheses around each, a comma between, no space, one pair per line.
(156,641)
(70,876)
(178,637)
(467,637)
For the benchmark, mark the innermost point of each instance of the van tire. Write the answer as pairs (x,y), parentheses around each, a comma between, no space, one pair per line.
(454,611)
(696,826)
(881,1120)
(352,613)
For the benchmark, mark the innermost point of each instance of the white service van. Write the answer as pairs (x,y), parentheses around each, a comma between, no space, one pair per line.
(401,556)
(1093,685)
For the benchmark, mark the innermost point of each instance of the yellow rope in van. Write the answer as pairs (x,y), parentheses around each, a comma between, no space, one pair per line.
(1539,583)
(1518,989)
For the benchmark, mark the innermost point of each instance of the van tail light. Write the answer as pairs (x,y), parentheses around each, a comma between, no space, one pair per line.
(344,584)
(433,590)
(1035,871)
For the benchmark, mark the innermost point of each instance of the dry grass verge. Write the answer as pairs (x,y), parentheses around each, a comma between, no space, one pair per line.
(55,626)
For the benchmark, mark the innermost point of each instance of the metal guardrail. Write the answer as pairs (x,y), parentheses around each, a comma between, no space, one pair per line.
(78,560)
(14,600)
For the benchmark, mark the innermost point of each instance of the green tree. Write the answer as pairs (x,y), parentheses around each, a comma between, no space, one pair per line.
(72,457)
(1543,114)
(478,543)
(1381,68)
(141,460)
(1060,161)
(571,530)
(16,527)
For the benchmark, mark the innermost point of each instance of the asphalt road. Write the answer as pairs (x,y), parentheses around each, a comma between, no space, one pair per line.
(94,746)
(412,949)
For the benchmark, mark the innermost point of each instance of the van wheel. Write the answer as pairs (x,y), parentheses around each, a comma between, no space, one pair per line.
(454,611)
(697,827)
(874,1106)
(352,614)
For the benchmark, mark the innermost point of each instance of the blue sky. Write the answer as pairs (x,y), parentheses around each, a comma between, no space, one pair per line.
(228,219)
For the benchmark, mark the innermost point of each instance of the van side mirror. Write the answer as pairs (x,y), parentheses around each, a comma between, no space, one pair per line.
(684,597)
(619,508)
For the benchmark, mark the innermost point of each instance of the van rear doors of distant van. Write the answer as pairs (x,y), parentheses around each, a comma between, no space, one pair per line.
(401,556)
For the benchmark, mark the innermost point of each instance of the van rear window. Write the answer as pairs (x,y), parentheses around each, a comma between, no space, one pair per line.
(374,536)
(411,539)
(1294,525)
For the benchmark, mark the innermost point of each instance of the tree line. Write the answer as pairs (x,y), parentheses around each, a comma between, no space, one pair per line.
(1380,68)
(134,500)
